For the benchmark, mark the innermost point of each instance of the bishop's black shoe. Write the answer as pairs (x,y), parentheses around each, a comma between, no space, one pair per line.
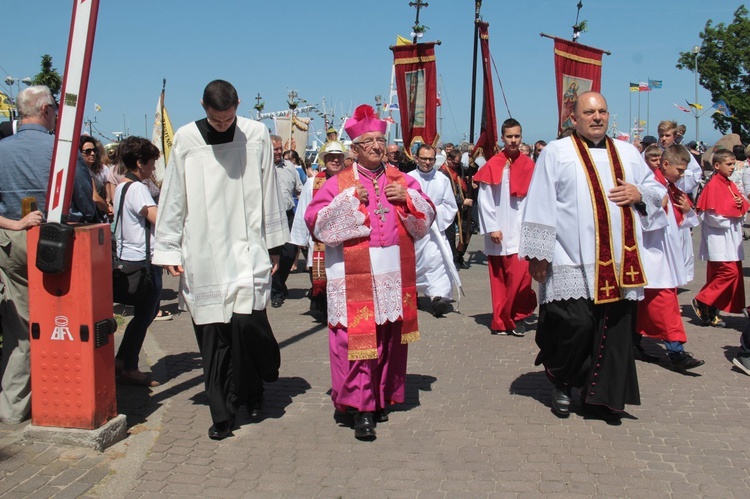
(364,426)
(381,416)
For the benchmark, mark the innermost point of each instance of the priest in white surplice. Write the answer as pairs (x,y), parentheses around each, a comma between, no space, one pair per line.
(581,231)
(219,215)
(436,273)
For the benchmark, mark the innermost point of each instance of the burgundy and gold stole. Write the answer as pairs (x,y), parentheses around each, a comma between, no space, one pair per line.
(606,281)
(360,306)
(318,266)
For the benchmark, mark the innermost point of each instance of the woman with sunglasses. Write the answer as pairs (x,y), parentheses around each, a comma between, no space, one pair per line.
(92,152)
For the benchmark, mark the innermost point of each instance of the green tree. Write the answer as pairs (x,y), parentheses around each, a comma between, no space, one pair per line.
(724,70)
(49,76)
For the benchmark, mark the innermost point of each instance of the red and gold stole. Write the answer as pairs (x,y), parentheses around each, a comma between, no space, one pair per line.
(606,281)
(318,266)
(360,307)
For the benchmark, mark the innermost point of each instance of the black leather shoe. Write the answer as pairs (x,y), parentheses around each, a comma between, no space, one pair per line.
(364,426)
(277,301)
(221,430)
(561,401)
(640,354)
(685,361)
(255,409)
(439,306)
(381,416)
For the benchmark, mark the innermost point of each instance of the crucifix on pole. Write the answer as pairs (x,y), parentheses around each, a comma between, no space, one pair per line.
(417,28)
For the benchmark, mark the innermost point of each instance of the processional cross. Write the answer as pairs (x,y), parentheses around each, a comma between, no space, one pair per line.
(418,4)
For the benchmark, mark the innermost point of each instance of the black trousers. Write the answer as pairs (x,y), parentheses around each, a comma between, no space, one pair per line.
(286,260)
(237,358)
(590,347)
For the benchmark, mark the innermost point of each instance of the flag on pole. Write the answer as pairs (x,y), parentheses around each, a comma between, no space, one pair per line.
(643,87)
(6,107)
(162,136)
(97,107)
(633,87)
(681,108)
(722,108)
(654,83)
(695,105)
(400,40)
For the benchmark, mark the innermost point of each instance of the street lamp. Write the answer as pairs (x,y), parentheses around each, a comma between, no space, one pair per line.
(696,51)
(11,80)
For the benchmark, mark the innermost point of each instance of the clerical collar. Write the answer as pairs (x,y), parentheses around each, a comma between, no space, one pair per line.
(371,174)
(601,145)
(212,136)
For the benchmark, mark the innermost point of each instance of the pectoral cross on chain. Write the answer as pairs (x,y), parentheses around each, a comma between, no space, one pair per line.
(381,212)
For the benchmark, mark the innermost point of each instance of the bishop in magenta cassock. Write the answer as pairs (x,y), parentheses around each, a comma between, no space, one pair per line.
(368,216)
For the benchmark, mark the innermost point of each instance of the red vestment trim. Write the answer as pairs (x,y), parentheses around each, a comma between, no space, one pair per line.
(360,307)
(521,170)
(318,266)
(719,195)
(607,282)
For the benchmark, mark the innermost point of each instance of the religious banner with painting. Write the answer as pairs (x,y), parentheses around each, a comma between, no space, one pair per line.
(416,85)
(293,131)
(486,144)
(578,69)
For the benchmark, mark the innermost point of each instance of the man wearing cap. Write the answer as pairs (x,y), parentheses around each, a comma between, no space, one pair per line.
(436,273)
(333,158)
(368,216)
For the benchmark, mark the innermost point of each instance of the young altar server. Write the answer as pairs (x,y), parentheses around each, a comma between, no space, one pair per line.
(722,208)
(503,184)
(659,314)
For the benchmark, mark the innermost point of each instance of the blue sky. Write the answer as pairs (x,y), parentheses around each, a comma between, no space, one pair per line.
(338,50)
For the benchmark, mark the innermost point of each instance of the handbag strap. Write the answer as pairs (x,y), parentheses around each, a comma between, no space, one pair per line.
(147,227)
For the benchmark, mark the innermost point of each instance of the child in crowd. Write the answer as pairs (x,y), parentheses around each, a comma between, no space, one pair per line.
(659,314)
(722,208)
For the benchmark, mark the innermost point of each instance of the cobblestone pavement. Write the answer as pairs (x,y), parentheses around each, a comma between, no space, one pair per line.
(476,423)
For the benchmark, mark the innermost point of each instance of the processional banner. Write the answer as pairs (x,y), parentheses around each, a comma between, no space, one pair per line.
(293,131)
(486,144)
(578,69)
(416,84)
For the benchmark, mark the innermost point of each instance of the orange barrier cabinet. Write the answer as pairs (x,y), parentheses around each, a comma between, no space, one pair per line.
(72,346)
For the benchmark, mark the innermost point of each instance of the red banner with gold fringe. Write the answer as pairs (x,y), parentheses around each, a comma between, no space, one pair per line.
(487,141)
(578,69)
(416,84)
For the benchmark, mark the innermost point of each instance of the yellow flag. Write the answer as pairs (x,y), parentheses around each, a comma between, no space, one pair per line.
(5,106)
(167,134)
(400,40)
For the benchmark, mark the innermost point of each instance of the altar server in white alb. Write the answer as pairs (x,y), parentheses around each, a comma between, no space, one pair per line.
(581,231)
(659,314)
(437,276)
(219,214)
(503,185)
